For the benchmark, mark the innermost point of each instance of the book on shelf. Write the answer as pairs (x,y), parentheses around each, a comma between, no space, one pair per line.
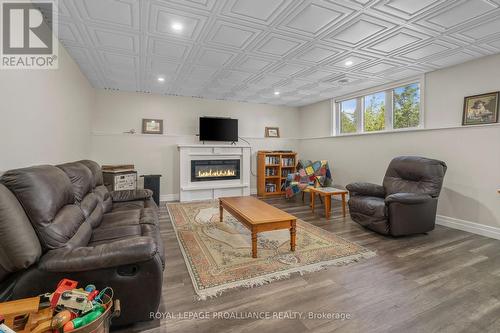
(272,160)
(288,161)
(270,187)
(271,172)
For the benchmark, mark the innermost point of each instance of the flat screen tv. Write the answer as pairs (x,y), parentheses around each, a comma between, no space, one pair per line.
(218,129)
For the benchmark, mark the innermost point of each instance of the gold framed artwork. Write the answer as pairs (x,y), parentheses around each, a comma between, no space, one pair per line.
(481,109)
(272,132)
(152,126)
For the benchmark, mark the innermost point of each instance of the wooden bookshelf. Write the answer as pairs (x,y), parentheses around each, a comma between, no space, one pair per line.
(270,168)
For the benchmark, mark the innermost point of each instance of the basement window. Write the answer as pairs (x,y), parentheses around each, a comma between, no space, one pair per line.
(390,108)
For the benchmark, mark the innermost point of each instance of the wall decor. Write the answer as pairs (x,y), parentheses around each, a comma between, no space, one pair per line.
(152,126)
(272,132)
(481,109)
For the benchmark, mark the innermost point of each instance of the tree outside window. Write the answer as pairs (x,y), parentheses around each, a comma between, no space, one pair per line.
(406,109)
(374,113)
(348,117)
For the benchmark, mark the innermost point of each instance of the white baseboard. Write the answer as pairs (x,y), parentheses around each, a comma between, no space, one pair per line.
(472,227)
(169,197)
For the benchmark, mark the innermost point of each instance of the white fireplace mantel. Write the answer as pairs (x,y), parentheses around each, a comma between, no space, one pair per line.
(205,190)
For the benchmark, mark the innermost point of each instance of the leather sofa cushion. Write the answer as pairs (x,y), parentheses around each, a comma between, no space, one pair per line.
(104,235)
(131,195)
(132,205)
(42,191)
(129,205)
(95,168)
(115,219)
(370,206)
(111,254)
(104,198)
(19,247)
(81,179)
(153,231)
(46,194)
(67,224)
(414,174)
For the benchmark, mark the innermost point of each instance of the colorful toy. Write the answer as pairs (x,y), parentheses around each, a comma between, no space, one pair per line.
(62,286)
(62,318)
(84,320)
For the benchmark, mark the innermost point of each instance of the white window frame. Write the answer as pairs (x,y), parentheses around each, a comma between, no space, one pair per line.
(389,103)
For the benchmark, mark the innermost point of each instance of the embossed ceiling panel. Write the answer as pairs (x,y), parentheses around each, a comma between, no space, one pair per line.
(246,50)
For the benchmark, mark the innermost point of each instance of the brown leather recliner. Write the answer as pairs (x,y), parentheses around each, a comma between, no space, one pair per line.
(406,203)
(61,222)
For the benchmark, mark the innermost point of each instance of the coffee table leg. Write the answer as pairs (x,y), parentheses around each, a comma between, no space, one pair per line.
(254,244)
(293,233)
(312,200)
(221,212)
(328,205)
(343,204)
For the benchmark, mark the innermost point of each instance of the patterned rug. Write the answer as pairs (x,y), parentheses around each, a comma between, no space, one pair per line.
(218,255)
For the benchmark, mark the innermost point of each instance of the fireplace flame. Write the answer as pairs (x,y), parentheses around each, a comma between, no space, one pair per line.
(216,173)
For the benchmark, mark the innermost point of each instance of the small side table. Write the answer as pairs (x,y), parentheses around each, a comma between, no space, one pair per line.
(327,192)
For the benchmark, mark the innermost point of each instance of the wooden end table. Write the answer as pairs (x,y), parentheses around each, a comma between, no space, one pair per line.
(328,192)
(258,216)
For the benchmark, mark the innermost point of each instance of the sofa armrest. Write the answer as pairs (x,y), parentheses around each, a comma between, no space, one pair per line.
(368,189)
(131,195)
(114,254)
(408,198)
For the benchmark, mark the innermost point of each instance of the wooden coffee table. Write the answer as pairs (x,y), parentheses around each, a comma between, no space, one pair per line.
(258,216)
(327,192)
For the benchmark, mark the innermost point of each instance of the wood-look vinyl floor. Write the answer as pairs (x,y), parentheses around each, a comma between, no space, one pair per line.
(446,281)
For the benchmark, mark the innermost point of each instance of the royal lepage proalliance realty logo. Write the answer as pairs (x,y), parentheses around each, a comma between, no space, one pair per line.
(29,35)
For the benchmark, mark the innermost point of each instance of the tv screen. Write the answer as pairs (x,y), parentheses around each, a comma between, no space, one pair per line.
(218,129)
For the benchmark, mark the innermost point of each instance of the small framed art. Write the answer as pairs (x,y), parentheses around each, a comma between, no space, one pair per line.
(272,132)
(481,109)
(152,126)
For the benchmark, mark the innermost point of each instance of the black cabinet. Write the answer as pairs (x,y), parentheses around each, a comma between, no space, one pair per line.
(152,182)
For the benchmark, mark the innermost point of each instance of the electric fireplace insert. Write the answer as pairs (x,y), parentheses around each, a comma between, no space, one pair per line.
(207,170)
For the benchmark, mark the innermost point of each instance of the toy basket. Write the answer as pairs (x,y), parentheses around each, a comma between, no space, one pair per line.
(102,324)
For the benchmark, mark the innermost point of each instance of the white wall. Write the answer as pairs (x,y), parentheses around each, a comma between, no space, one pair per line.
(472,153)
(117,112)
(45,115)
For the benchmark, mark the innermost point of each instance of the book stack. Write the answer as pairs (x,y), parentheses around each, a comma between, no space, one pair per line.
(272,160)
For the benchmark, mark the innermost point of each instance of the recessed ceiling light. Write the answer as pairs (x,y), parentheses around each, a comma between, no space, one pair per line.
(161,79)
(177,26)
(276,93)
(349,63)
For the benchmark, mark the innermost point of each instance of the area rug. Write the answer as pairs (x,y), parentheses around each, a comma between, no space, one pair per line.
(218,255)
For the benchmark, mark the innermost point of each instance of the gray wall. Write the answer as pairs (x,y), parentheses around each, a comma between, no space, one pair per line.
(45,115)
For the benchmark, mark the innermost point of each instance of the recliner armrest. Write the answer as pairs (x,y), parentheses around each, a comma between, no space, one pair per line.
(131,195)
(367,189)
(114,254)
(408,198)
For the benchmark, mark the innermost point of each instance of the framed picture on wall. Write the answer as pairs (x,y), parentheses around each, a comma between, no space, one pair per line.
(152,126)
(481,109)
(272,132)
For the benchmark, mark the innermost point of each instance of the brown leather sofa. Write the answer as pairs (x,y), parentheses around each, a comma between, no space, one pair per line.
(62,222)
(406,203)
